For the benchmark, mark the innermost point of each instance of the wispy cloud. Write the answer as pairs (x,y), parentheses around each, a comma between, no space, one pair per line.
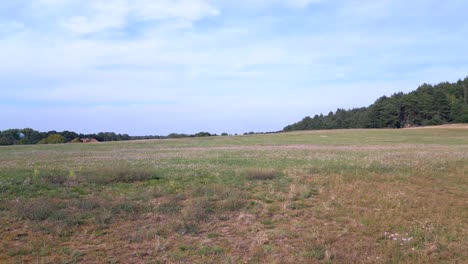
(97,16)
(100,15)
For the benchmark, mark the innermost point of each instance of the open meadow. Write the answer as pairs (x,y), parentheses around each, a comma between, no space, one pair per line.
(338,196)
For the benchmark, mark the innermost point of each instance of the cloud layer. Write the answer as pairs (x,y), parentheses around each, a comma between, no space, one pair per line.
(155,67)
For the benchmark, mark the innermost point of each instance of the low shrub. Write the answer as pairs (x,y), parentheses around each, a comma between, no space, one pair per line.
(187,227)
(38,209)
(97,176)
(235,200)
(126,207)
(199,210)
(54,177)
(317,253)
(262,174)
(115,175)
(89,203)
(76,140)
(210,251)
(69,217)
(171,207)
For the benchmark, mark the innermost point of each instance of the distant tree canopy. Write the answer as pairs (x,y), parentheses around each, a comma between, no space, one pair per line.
(29,136)
(203,134)
(53,139)
(76,140)
(443,103)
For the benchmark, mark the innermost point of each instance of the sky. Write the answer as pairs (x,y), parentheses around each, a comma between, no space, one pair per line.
(153,67)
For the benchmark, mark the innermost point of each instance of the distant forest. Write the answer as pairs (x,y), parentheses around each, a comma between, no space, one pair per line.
(28,136)
(439,104)
(443,103)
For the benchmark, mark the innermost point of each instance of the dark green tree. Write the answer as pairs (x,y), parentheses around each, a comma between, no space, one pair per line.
(427,105)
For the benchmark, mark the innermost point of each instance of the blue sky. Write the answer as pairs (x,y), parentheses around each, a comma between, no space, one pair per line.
(159,66)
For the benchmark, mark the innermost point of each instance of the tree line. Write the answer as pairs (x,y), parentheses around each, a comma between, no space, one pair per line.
(443,103)
(439,104)
(28,136)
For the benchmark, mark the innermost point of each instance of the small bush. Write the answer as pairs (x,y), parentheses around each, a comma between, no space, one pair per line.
(203,191)
(99,176)
(234,201)
(199,210)
(89,203)
(298,205)
(54,177)
(53,139)
(39,209)
(69,218)
(76,140)
(126,207)
(102,218)
(317,252)
(262,175)
(188,227)
(115,175)
(19,252)
(171,207)
(216,199)
(141,235)
(210,251)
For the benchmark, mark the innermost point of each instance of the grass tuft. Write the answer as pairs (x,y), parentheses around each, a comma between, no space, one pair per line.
(317,252)
(199,210)
(37,209)
(262,174)
(210,251)
(116,175)
(171,207)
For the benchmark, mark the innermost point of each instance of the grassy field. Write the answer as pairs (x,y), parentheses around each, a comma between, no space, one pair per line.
(345,196)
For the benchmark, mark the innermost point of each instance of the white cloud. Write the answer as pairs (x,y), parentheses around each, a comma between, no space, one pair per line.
(235,66)
(369,9)
(301,3)
(190,10)
(288,3)
(98,16)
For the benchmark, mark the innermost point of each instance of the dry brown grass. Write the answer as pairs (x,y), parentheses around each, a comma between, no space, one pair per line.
(377,197)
